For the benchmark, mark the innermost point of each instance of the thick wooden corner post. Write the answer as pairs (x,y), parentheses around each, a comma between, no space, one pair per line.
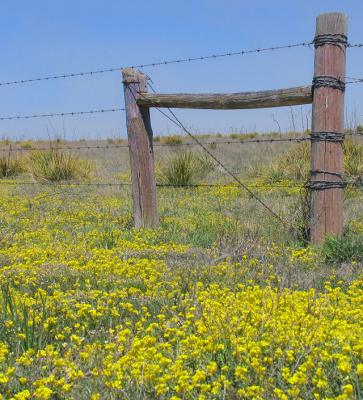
(327,135)
(140,139)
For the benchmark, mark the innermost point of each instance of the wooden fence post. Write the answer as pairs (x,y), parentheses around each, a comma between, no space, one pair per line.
(327,135)
(140,138)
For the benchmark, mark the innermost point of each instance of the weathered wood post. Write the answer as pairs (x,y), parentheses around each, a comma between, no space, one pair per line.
(140,138)
(327,135)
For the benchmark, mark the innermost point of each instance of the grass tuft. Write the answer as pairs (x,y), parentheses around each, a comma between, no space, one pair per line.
(10,166)
(183,168)
(55,165)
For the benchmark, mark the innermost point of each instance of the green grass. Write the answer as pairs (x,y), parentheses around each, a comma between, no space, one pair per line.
(347,249)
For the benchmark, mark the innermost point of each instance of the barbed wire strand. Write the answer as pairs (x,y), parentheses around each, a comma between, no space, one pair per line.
(117,146)
(55,148)
(51,147)
(156,64)
(165,62)
(62,114)
(57,184)
(357,183)
(353,80)
(103,110)
(162,185)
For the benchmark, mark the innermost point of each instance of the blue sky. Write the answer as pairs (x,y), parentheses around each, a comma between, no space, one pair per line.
(44,37)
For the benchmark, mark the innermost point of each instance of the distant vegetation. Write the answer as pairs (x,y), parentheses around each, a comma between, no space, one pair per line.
(180,167)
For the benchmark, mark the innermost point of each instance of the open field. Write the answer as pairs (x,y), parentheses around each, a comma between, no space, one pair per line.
(222,301)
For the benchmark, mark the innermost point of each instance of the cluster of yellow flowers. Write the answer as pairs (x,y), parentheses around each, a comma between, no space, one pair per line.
(89,311)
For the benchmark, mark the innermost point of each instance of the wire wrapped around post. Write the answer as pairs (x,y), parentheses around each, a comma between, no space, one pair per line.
(336,39)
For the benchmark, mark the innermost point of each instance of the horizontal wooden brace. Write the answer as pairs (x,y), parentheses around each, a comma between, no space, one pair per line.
(232,101)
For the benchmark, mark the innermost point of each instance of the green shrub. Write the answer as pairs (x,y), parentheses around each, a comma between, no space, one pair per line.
(183,168)
(348,248)
(54,165)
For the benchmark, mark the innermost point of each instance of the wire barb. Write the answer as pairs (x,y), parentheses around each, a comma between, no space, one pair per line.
(352,45)
(352,80)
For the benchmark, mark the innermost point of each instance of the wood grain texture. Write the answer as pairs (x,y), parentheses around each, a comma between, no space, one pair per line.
(232,101)
(328,116)
(140,139)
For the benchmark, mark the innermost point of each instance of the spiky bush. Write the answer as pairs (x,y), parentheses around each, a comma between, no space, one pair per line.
(10,166)
(183,168)
(55,165)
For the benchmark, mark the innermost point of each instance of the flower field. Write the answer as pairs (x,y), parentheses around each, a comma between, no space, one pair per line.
(93,309)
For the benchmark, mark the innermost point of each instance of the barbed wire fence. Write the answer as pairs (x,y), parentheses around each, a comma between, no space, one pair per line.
(172,117)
